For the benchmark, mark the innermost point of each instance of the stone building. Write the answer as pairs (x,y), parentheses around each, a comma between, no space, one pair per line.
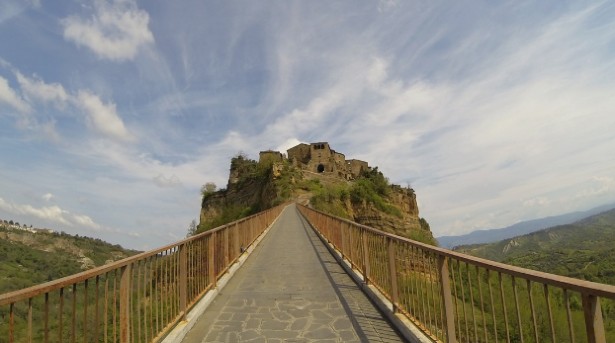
(270,156)
(320,158)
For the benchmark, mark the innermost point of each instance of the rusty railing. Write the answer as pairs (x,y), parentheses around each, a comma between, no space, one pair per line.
(137,299)
(454,297)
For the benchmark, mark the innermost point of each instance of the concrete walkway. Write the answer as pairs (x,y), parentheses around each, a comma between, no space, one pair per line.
(291,289)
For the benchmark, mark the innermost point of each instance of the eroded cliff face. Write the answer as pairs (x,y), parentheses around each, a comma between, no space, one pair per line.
(403,225)
(251,195)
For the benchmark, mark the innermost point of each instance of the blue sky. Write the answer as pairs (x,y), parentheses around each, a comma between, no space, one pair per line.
(114,113)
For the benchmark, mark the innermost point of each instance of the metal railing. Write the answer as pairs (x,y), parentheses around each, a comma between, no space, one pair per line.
(454,297)
(137,299)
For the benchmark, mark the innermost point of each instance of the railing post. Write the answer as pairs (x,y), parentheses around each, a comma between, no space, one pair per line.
(593,319)
(211,256)
(183,280)
(125,291)
(225,243)
(236,249)
(343,243)
(393,274)
(447,299)
(366,266)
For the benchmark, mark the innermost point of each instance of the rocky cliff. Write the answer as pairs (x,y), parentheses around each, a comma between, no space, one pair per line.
(369,199)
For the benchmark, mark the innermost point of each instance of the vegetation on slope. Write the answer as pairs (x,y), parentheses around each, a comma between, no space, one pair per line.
(371,190)
(31,258)
(584,250)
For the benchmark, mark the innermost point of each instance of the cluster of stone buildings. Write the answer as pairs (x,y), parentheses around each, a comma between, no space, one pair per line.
(319,158)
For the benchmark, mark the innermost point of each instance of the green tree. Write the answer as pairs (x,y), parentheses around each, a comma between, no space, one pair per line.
(192,228)
(208,188)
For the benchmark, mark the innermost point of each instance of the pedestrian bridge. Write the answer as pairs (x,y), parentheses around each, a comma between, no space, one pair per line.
(292,274)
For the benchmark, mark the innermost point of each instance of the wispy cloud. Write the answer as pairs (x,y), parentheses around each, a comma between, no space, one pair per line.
(11,98)
(116,31)
(35,89)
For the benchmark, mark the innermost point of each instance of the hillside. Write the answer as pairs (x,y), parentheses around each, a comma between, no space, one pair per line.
(584,249)
(345,188)
(32,256)
(522,228)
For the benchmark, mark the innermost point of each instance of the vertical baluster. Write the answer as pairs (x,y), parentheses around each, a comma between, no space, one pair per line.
(468,272)
(138,301)
(549,311)
(495,327)
(61,326)
(73,335)
(428,283)
(514,287)
(97,308)
(85,311)
(11,323)
(30,320)
(106,309)
(413,283)
(46,317)
(125,315)
(531,299)
(569,316)
(463,301)
(482,303)
(505,312)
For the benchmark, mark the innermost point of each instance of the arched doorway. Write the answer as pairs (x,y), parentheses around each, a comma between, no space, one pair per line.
(320,168)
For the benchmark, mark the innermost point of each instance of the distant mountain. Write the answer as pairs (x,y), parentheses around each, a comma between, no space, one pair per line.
(30,256)
(522,228)
(584,250)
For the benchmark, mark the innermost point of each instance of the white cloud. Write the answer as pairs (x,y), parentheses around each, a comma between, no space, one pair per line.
(51,213)
(47,196)
(102,117)
(84,220)
(116,31)
(36,89)
(10,97)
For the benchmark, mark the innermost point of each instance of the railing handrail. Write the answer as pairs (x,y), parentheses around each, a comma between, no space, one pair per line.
(583,286)
(49,286)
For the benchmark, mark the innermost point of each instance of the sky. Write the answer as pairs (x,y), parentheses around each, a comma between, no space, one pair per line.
(114,113)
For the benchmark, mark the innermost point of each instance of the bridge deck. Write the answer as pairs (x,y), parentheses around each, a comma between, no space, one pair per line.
(291,290)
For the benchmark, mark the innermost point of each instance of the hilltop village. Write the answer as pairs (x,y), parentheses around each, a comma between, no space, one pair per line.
(318,158)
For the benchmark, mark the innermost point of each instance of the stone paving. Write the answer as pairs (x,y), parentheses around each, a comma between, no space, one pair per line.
(291,289)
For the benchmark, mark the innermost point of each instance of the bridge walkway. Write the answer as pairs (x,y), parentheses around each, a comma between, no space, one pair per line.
(291,289)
